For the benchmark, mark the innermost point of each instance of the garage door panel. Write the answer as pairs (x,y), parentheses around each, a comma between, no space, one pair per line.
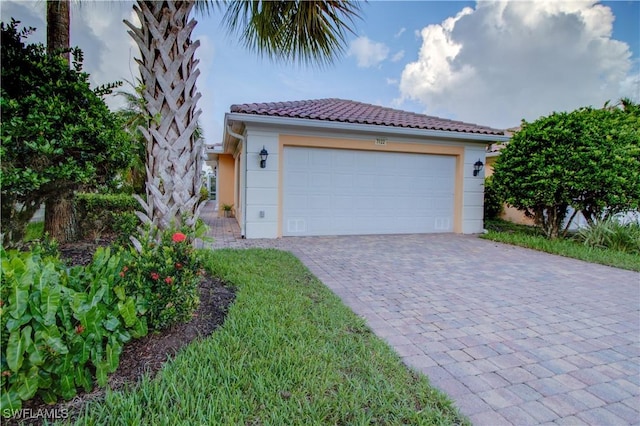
(366,192)
(320,158)
(319,202)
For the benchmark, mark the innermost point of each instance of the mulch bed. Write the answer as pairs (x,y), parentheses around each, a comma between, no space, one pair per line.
(145,355)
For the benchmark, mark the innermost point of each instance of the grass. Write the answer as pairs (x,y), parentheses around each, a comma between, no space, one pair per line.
(530,237)
(288,353)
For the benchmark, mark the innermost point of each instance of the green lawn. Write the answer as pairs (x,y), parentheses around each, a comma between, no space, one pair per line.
(288,353)
(530,237)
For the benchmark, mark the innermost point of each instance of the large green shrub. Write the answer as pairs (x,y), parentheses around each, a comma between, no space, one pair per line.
(103,213)
(588,159)
(61,328)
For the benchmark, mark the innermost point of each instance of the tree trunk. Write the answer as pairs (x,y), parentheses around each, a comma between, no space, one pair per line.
(58,26)
(168,71)
(59,218)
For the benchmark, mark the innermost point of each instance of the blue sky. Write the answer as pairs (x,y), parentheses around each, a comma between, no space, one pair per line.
(491,63)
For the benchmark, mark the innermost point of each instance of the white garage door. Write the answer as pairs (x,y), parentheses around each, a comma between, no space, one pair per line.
(347,192)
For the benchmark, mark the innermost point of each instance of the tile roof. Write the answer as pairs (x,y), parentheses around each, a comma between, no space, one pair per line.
(346,111)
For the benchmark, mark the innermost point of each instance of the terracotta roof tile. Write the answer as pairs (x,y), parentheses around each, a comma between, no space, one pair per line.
(341,110)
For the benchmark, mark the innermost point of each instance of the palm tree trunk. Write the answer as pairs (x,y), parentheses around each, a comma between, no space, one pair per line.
(60,221)
(168,71)
(58,26)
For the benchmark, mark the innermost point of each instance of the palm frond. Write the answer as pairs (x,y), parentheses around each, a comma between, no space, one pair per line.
(305,31)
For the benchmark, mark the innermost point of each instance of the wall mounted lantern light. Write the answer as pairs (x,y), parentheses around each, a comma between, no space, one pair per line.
(477,166)
(263,157)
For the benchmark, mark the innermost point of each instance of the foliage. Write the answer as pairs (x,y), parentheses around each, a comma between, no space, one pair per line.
(98,213)
(125,225)
(493,205)
(165,272)
(612,234)
(204,194)
(289,353)
(588,159)
(60,326)
(57,134)
(34,231)
(293,30)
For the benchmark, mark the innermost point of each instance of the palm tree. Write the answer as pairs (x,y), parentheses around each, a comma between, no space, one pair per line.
(59,219)
(297,30)
(58,24)
(135,117)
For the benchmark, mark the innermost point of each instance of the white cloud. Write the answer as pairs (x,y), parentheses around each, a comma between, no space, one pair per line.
(367,52)
(400,32)
(97,28)
(392,81)
(399,55)
(504,61)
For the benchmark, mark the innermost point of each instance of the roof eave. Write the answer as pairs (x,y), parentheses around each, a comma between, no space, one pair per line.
(368,128)
(230,142)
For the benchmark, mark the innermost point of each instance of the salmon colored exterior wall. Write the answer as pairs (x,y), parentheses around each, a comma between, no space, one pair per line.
(226,181)
(508,213)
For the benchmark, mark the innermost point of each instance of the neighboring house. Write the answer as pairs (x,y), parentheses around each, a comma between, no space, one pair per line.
(338,167)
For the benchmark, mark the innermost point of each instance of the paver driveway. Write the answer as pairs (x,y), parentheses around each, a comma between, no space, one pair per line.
(514,336)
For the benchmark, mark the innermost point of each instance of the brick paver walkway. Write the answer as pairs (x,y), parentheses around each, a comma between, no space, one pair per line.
(514,336)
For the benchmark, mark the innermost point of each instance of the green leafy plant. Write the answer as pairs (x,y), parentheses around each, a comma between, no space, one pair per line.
(610,233)
(61,328)
(164,274)
(125,225)
(493,205)
(204,194)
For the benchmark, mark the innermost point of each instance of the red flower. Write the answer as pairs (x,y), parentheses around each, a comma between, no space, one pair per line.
(155,276)
(79,329)
(125,269)
(178,265)
(178,237)
(168,280)
(122,274)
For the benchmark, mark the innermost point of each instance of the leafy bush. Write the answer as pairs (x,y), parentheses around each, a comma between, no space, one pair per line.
(125,224)
(61,327)
(164,272)
(101,213)
(492,202)
(612,234)
(588,159)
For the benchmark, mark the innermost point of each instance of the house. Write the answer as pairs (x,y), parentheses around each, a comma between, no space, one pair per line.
(338,167)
